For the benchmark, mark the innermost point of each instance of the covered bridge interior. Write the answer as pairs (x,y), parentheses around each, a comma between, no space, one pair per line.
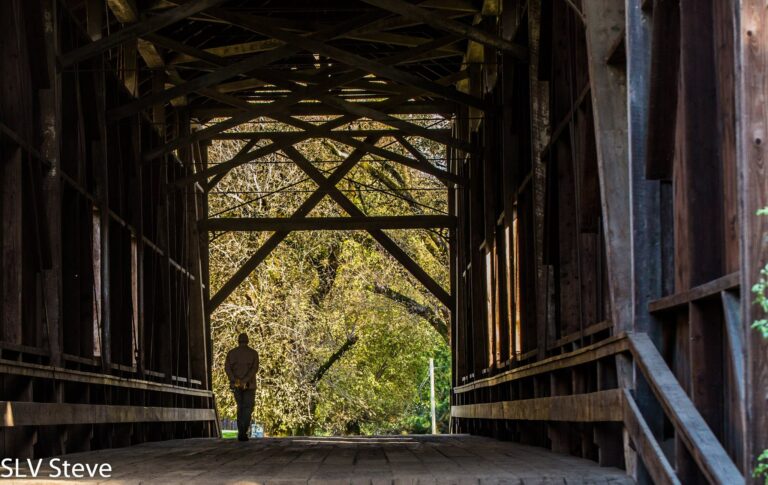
(603,166)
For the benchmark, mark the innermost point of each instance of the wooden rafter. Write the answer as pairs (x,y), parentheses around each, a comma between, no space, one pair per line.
(440,22)
(279,105)
(263,45)
(348,58)
(347,139)
(373,114)
(226,71)
(137,30)
(126,12)
(323,131)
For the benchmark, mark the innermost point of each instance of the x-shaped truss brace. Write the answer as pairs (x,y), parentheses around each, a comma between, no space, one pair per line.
(328,186)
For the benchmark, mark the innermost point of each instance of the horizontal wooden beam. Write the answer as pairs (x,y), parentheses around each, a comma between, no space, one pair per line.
(219,110)
(439,21)
(137,30)
(51,414)
(61,374)
(604,348)
(326,223)
(710,289)
(277,135)
(601,406)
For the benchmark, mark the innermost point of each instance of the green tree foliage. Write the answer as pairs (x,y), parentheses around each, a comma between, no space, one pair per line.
(344,333)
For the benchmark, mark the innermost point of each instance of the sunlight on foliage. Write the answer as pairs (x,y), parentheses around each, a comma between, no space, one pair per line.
(344,333)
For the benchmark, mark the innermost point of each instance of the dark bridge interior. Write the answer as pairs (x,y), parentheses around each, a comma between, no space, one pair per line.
(603,168)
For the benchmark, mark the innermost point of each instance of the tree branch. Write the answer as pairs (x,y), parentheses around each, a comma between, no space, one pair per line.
(415,308)
(320,372)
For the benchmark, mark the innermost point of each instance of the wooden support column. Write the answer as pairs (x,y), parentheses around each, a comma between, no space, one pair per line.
(198,355)
(50,122)
(701,259)
(698,178)
(644,207)
(14,111)
(11,245)
(49,112)
(102,188)
(539,94)
(752,138)
(605,19)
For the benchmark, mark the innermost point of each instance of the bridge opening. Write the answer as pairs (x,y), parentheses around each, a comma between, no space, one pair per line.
(345,332)
(566,193)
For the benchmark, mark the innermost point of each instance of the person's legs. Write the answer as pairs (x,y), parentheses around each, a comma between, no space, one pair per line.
(247,403)
(241,431)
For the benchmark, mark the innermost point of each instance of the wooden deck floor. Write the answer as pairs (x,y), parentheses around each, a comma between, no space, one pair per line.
(381,460)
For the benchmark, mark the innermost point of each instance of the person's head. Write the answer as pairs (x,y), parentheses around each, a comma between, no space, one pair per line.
(242,339)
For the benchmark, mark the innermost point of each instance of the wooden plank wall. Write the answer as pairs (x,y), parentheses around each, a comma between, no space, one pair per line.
(88,233)
(682,155)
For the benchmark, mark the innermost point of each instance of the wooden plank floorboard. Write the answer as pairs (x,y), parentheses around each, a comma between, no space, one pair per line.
(417,460)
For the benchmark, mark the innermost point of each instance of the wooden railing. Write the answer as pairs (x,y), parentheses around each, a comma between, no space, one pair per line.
(701,442)
(617,404)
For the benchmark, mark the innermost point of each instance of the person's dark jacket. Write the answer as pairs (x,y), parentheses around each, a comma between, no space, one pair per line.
(241,364)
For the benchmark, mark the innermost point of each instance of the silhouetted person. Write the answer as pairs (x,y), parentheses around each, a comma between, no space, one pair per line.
(241,366)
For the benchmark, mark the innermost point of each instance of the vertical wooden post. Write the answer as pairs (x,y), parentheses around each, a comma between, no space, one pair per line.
(752,139)
(138,207)
(101,150)
(50,109)
(11,246)
(94,12)
(702,180)
(198,354)
(605,19)
(14,106)
(644,205)
(539,94)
